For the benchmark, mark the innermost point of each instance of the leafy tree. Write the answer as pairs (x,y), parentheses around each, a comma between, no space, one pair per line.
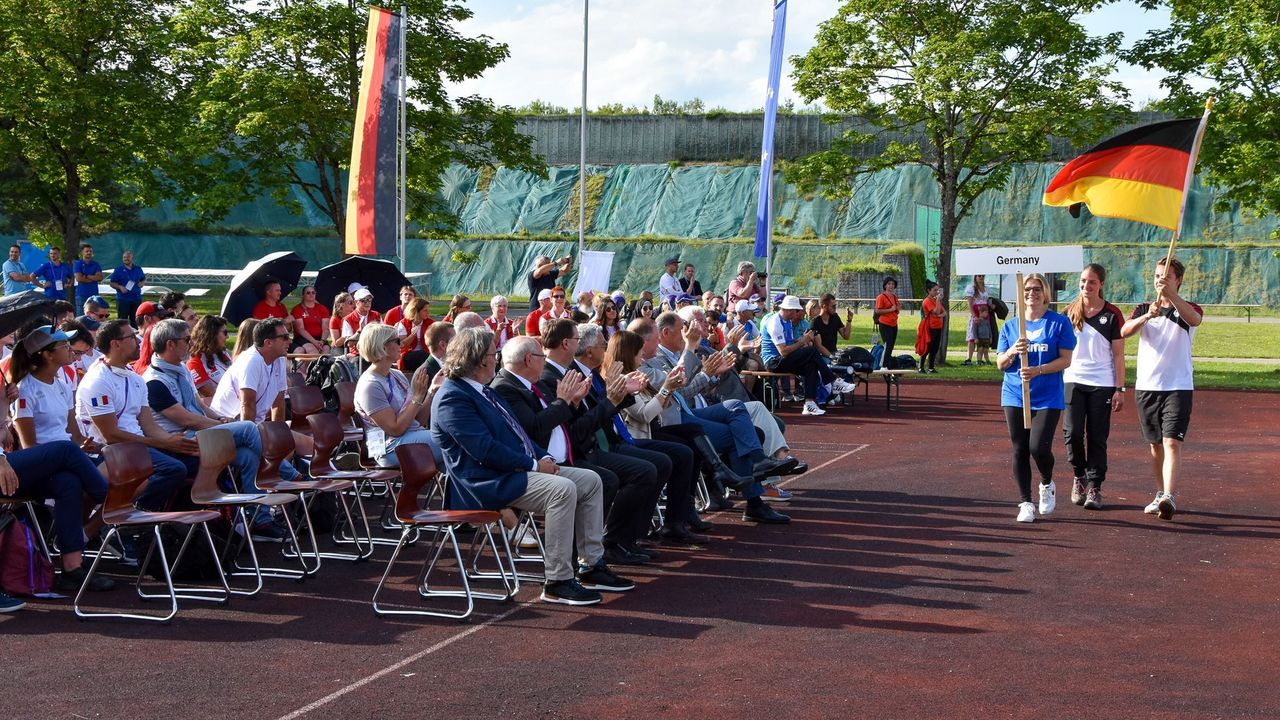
(87,120)
(1233,46)
(275,86)
(966,88)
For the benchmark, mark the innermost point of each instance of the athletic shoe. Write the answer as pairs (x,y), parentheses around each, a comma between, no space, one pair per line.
(840,385)
(69,581)
(569,592)
(811,408)
(777,494)
(600,577)
(967,362)
(1093,499)
(1048,498)
(1026,512)
(1153,507)
(1166,508)
(933,371)
(522,538)
(1078,491)
(8,603)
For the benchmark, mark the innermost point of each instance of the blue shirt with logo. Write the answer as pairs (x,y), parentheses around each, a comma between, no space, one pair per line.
(55,275)
(123,276)
(1045,337)
(86,290)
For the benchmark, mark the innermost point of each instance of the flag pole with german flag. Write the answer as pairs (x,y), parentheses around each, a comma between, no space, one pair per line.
(375,182)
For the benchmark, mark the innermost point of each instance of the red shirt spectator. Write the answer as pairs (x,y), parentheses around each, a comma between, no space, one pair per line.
(262,311)
(313,319)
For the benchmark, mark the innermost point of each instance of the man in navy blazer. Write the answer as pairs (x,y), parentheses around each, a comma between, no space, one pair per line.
(493,464)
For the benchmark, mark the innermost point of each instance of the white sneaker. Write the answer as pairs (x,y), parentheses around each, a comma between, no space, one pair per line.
(1048,498)
(811,408)
(841,385)
(1166,507)
(1026,512)
(1153,507)
(522,538)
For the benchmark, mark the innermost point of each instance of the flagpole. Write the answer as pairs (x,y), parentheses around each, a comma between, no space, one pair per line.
(1186,184)
(403,147)
(582,144)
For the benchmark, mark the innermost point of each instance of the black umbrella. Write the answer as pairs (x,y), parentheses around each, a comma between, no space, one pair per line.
(246,286)
(19,309)
(382,277)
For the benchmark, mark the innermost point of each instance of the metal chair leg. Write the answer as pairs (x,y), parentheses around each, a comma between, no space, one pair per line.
(164,565)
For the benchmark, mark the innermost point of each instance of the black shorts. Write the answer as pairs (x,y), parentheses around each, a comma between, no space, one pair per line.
(1163,414)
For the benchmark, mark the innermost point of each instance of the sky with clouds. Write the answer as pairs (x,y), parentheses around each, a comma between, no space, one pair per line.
(716,50)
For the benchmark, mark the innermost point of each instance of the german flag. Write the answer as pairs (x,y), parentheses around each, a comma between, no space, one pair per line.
(1136,175)
(372,187)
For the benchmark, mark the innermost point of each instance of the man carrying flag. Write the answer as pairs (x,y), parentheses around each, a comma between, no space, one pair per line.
(1145,174)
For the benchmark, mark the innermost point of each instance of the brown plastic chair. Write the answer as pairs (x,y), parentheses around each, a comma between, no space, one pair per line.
(128,467)
(418,469)
(277,447)
(326,430)
(304,400)
(351,424)
(294,378)
(217,452)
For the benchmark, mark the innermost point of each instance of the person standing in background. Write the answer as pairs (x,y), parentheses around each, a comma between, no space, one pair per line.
(127,280)
(53,276)
(886,316)
(543,275)
(88,273)
(16,277)
(978,298)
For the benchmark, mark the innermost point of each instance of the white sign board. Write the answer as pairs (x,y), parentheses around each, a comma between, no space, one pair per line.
(594,269)
(1009,260)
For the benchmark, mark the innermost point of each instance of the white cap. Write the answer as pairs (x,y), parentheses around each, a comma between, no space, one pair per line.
(744,305)
(791,302)
(353,287)
(544,294)
(363,293)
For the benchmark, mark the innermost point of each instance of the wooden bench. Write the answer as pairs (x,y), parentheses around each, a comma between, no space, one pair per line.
(892,385)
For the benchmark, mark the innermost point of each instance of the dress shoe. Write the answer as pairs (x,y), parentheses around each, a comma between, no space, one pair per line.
(701,526)
(770,466)
(801,467)
(648,551)
(679,535)
(619,555)
(720,503)
(762,513)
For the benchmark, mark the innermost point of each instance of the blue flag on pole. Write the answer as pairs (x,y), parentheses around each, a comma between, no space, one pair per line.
(764,206)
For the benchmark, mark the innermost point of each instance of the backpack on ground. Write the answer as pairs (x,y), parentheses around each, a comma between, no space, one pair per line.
(24,569)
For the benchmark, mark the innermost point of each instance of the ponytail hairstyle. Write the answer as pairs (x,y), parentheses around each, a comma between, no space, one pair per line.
(1075,311)
(22,363)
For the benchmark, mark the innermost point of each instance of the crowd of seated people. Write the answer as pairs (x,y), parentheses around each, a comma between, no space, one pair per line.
(600,417)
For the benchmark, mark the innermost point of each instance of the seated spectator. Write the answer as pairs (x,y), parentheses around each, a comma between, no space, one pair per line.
(533,323)
(364,314)
(745,285)
(54,276)
(785,351)
(310,321)
(244,337)
(209,359)
(683,300)
(669,285)
(713,306)
(466,320)
(270,306)
(543,276)
(96,311)
(148,315)
(55,470)
(586,304)
(63,312)
(493,464)
(343,304)
(607,316)
(175,302)
(111,406)
(437,337)
(177,408)
(828,326)
(44,411)
(399,312)
(393,409)
(458,304)
(83,353)
(641,308)
(127,281)
(253,387)
(412,330)
(689,283)
(559,311)
(502,327)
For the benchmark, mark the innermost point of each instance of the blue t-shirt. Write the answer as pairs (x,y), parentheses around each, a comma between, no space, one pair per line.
(1045,337)
(58,277)
(123,276)
(86,290)
(12,286)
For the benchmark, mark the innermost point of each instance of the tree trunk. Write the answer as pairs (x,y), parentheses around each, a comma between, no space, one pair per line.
(946,238)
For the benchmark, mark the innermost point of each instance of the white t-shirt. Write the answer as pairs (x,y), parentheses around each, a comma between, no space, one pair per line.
(250,371)
(1164,350)
(48,405)
(1092,362)
(375,393)
(105,389)
(668,287)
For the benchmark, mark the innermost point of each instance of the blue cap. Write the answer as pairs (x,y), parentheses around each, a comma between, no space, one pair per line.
(99,301)
(42,337)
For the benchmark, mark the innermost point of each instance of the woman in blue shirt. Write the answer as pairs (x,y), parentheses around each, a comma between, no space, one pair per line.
(1049,342)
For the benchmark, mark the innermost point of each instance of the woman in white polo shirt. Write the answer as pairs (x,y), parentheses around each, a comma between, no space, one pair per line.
(44,410)
(1093,385)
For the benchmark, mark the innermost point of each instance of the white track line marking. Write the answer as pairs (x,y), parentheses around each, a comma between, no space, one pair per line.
(472,630)
(411,659)
(833,460)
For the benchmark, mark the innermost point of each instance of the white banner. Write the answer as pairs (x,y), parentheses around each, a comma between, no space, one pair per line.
(594,269)
(1009,260)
